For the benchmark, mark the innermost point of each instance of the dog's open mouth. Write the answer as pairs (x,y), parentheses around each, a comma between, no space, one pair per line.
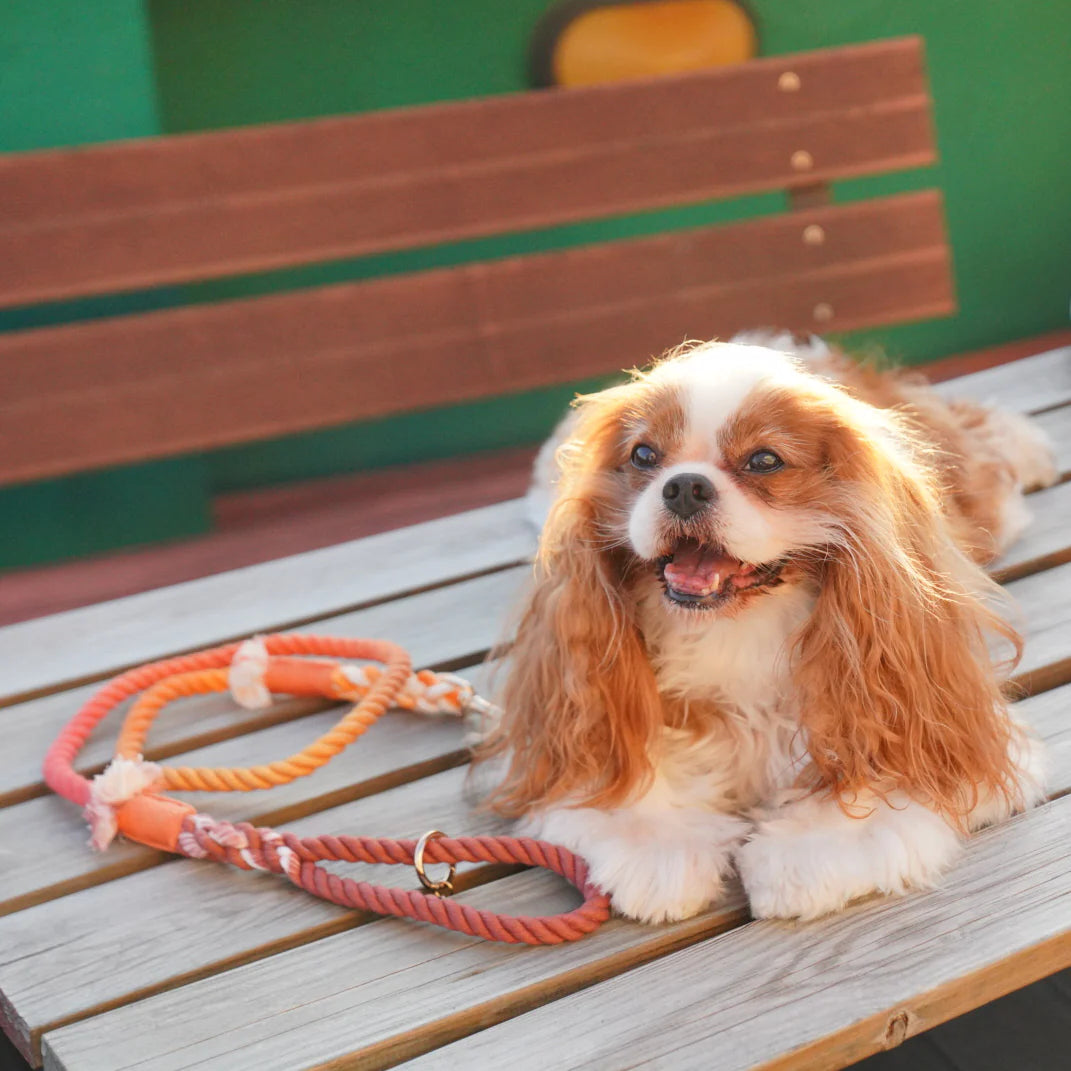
(702,576)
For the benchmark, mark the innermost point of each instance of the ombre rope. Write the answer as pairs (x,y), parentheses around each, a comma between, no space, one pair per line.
(126,798)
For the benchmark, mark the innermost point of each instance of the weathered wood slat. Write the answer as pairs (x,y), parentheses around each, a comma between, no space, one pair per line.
(520,290)
(1044,601)
(370,993)
(55,652)
(407,342)
(437,627)
(824,994)
(1029,385)
(1057,425)
(146,212)
(1047,542)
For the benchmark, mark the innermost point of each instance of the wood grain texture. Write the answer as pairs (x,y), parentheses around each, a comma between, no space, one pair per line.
(366,1000)
(1047,542)
(169,209)
(437,627)
(98,641)
(1056,423)
(1044,602)
(1029,386)
(824,993)
(409,342)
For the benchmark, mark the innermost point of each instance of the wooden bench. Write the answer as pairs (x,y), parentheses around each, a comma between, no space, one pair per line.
(170,211)
(129,958)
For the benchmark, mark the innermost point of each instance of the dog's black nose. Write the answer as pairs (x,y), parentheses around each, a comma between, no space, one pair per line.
(687,494)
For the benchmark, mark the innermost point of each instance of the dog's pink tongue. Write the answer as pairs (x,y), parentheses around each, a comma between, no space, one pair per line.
(697,570)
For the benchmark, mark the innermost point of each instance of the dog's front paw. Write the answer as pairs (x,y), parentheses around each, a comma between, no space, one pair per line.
(654,881)
(813,859)
(656,868)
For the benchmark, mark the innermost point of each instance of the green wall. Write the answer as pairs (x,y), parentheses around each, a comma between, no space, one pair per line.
(118,68)
(72,73)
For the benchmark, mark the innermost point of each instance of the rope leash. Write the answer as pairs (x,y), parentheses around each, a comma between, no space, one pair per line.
(127,797)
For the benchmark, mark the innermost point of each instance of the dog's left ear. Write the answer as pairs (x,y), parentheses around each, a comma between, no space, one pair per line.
(896,682)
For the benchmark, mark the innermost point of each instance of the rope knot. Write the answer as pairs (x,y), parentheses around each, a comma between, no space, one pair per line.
(121,780)
(246,675)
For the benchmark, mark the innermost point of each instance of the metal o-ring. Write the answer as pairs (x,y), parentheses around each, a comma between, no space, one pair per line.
(439,888)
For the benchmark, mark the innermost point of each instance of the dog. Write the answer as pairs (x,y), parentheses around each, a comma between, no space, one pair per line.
(760,635)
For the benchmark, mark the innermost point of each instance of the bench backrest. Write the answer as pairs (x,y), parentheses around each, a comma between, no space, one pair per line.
(142,214)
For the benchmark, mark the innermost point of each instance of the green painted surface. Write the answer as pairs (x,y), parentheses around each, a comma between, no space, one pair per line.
(1000,79)
(55,519)
(73,73)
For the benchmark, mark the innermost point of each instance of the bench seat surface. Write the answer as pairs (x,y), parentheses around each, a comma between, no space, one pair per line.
(133,959)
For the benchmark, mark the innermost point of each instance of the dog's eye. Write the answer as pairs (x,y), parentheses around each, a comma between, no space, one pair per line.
(644,456)
(763,461)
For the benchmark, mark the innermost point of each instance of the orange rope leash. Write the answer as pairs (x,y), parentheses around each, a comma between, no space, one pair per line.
(126,797)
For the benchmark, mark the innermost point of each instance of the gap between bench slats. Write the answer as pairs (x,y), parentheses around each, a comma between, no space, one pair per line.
(402,343)
(163,210)
(1049,634)
(386,989)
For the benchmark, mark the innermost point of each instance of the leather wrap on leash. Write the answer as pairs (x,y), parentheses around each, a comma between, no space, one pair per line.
(127,797)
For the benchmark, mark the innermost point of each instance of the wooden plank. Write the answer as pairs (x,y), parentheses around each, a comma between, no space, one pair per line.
(1044,601)
(388,990)
(1056,423)
(100,640)
(164,210)
(407,342)
(1047,542)
(1029,386)
(437,627)
(826,993)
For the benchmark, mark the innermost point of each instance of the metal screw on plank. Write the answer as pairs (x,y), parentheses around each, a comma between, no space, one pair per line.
(823,312)
(789,82)
(802,160)
(813,234)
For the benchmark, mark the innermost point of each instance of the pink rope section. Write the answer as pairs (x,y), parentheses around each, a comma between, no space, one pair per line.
(132,805)
(248,847)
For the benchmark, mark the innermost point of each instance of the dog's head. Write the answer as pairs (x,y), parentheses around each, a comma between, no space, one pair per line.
(725,476)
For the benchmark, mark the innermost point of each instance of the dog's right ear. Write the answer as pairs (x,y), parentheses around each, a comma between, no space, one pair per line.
(580,703)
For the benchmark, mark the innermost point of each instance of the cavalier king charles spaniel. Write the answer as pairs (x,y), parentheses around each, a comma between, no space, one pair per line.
(760,635)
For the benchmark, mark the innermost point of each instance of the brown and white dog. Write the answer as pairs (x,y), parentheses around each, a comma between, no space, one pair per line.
(760,633)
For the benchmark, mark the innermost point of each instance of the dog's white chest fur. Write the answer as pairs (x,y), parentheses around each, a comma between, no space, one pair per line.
(740,661)
(742,665)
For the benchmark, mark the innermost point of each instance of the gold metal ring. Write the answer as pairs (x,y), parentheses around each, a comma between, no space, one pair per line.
(440,888)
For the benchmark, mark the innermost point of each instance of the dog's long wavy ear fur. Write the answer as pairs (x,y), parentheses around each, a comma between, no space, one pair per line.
(897,686)
(580,704)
